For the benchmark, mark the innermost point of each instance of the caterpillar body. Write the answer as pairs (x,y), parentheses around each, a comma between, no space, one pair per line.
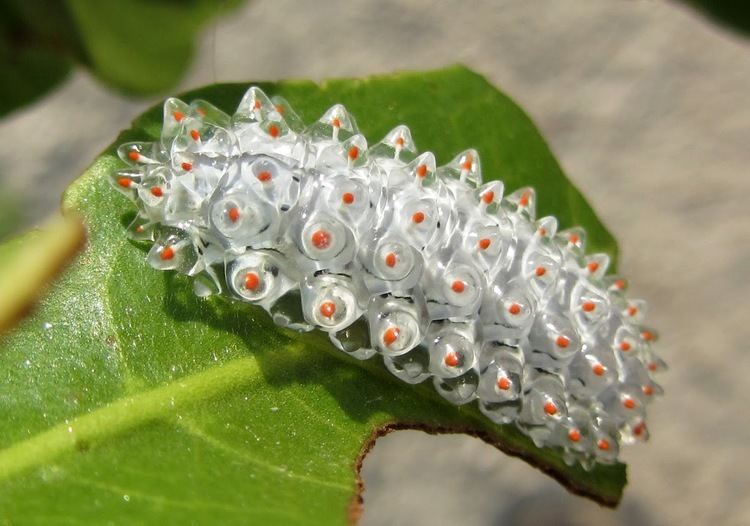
(447,279)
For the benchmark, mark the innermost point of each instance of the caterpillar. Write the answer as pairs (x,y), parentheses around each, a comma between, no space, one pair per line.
(447,279)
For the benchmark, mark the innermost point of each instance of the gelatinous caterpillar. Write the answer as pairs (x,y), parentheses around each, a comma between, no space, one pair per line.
(437,273)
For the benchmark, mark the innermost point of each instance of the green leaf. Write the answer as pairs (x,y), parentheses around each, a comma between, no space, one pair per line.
(128,399)
(36,43)
(141,46)
(734,14)
(136,46)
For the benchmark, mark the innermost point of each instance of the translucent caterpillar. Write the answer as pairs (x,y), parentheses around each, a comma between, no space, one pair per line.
(446,279)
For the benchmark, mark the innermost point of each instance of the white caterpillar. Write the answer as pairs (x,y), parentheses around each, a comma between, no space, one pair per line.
(440,275)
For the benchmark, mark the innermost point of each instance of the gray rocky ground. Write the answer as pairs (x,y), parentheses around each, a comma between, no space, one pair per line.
(647,106)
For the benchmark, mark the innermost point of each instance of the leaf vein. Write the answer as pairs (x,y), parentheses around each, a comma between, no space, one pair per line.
(195,430)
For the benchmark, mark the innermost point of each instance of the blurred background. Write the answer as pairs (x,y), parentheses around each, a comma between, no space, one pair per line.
(646,105)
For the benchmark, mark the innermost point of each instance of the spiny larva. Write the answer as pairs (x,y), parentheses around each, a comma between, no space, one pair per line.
(445,278)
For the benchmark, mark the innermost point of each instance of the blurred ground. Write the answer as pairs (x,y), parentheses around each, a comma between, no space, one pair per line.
(647,106)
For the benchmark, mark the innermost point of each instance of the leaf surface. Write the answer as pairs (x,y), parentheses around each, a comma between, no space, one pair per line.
(141,46)
(128,399)
(734,14)
(135,46)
